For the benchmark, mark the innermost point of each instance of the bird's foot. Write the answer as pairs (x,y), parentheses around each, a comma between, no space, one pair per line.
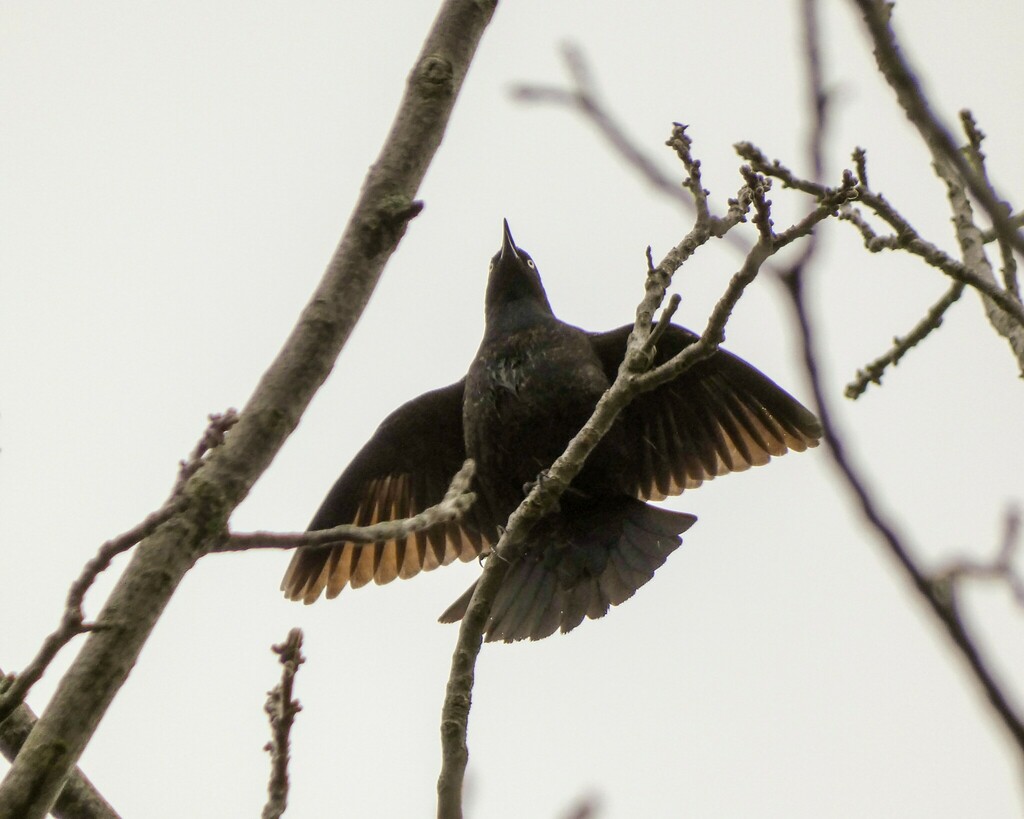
(492,552)
(539,482)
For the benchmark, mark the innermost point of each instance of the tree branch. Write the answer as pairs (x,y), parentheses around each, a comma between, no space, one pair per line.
(385,206)
(1001,568)
(79,798)
(972,247)
(903,80)
(935,592)
(583,97)
(15,688)
(453,506)
(282,709)
(630,381)
(1005,311)
(872,373)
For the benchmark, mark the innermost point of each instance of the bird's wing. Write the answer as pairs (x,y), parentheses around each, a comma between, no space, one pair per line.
(721,415)
(403,469)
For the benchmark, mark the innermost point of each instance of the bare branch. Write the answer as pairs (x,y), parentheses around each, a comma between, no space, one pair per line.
(583,98)
(973,249)
(630,381)
(817,98)
(79,798)
(282,709)
(759,186)
(453,506)
(14,688)
(1000,569)
(908,239)
(681,143)
(905,238)
(975,137)
(872,373)
(664,322)
(212,438)
(1017,220)
(379,219)
(936,594)
(944,148)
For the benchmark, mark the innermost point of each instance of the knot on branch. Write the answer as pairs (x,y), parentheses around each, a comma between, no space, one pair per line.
(381,231)
(434,78)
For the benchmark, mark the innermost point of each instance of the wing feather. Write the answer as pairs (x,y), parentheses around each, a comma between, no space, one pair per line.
(404,468)
(720,416)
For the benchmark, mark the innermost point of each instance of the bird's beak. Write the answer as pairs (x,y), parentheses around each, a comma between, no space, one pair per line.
(508,245)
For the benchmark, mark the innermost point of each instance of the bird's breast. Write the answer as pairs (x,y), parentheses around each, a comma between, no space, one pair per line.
(526,395)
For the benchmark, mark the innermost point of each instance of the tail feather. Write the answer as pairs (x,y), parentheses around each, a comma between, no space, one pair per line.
(628,577)
(536,612)
(614,586)
(527,600)
(549,622)
(577,563)
(575,605)
(599,603)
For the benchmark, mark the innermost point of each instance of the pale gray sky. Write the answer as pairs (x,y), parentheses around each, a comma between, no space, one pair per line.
(176,176)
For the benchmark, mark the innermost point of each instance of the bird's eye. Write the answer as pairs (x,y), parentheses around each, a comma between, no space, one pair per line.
(531,264)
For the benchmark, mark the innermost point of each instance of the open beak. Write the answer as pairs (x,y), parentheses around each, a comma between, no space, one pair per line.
(508,245)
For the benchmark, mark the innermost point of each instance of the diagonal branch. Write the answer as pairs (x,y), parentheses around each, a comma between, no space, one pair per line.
(385,205)
(944,148)
(14,688)
(630,381)
(873,372)
(935,592)
(79,799)
(972,247)
(582,96)
(72,622)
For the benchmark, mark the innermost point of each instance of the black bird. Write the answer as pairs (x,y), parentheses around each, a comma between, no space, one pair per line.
(532,386)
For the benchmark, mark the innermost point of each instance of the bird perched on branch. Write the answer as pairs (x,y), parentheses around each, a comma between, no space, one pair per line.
(533,384)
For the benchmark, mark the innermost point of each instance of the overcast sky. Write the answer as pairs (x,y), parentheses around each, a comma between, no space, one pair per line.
(174,179)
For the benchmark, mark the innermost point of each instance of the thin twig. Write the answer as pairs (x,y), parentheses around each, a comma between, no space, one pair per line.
(975,136)
(1017,220)
(1001,568)
(281,710)
(664,322)
(681,143)
(872,373)
(905,237)
(453,506)
(72,622)
(903,80)
(583,98)
(976,260)
(15,688)
(213,437)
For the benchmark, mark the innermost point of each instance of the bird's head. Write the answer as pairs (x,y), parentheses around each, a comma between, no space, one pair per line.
(513,277)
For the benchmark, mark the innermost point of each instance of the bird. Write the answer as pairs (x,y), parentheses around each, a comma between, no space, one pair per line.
(531,386)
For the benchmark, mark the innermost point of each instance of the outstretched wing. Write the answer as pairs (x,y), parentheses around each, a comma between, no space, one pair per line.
(722,415)
(403,469)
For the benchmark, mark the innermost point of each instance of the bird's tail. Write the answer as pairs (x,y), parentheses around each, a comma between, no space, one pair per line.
(578,562)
